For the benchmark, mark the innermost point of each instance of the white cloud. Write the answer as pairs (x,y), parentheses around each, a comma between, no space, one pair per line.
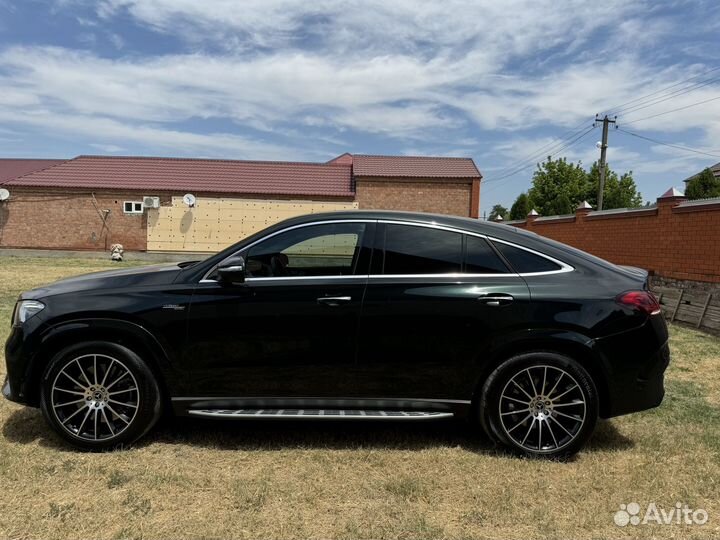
(404,69)
(176,141)
(109,148)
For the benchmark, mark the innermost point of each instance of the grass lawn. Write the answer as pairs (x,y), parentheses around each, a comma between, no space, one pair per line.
(300,480)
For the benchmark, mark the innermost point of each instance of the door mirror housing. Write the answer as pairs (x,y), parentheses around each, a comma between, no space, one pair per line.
(232,270)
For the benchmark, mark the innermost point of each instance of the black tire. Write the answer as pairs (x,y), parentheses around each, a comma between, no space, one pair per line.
(568,412)
(114,411)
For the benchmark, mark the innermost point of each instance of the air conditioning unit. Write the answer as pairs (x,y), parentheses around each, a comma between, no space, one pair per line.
(151,202)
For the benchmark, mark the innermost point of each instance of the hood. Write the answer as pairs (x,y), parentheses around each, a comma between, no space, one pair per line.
(157,274)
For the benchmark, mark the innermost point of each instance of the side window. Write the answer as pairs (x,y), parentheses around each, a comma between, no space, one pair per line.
(317,250)
(524,262)
(480,258)
(421,250)
(132,207)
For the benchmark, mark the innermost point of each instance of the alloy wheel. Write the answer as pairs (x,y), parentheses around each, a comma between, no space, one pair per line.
(95,397)
(542,409)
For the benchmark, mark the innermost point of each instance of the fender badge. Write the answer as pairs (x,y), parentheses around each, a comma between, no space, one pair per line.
(174,307)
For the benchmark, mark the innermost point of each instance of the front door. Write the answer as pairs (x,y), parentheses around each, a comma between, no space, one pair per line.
(435,301)
(290,330)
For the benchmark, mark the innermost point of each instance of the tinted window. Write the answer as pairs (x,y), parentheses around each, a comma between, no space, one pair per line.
(480,258)
(421,250)
(318,250)
(524,262)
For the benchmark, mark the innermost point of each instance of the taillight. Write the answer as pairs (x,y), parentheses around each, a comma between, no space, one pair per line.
(641,300)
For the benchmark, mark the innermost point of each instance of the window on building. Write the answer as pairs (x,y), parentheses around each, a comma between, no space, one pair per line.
(480,258)
(133,207)
(421,250)
(524,262)
(317,250)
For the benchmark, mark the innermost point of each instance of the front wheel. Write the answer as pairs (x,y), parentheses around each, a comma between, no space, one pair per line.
(541,404)
(99,395)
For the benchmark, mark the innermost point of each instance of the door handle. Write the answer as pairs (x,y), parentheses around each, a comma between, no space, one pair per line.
(334,301)
(495,300)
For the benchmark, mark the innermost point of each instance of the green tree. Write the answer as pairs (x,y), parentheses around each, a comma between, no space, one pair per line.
(498,210)
(619,192)
(703,185)
(521,207)
(558,187)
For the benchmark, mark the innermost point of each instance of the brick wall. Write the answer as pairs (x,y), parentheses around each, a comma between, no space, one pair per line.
(676,239)
(67,219)
(51,218)
(446,196)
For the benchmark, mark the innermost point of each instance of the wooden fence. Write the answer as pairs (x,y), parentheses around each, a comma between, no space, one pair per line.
(698,308)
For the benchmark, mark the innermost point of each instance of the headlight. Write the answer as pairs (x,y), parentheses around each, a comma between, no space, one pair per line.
(26,309)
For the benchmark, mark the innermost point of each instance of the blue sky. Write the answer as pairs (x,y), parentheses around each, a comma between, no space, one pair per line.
(275,79)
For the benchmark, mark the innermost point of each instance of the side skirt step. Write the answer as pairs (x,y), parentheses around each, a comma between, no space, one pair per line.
(320,414)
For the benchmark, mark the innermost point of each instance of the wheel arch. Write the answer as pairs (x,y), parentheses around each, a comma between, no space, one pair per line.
(572,344)
(121,332)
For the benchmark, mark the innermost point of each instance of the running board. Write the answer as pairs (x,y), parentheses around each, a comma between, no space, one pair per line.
(321,414)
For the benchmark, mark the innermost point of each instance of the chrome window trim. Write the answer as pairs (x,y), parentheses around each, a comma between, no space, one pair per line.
(564,267)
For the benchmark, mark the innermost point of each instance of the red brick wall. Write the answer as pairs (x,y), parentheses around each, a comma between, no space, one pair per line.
(674,240)
(66,219)
(47,218)
(446,196)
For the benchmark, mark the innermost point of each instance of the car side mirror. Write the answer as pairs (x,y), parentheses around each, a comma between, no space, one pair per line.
(232,270)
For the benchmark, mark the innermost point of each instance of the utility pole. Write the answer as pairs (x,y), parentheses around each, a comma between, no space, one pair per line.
(603,151)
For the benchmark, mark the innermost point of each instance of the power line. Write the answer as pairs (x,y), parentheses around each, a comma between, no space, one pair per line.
(672,110)
(678,146)
(672,95)
(563,145)
(615,109)
(569,134)
(639,103)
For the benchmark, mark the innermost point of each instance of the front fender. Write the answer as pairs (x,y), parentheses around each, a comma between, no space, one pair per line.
(54,337)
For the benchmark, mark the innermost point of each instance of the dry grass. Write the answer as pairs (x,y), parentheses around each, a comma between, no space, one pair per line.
(298,480)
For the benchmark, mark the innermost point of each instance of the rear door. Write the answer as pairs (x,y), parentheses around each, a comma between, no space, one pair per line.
(435,301)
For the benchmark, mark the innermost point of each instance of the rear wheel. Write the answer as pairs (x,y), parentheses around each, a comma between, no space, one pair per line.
(99,395)
(540,404)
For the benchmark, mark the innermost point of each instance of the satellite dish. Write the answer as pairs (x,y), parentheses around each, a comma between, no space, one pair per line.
(189,199)
(4,194)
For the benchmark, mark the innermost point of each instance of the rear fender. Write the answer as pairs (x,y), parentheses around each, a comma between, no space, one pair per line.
(572,344)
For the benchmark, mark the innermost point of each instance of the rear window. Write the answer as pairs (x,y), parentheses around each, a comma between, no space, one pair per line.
(524,262)
(481,258)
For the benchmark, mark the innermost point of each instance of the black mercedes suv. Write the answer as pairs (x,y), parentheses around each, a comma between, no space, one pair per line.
(360,315)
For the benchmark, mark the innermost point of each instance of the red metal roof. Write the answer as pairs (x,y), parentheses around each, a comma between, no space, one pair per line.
(12,168)
(414,166)
(195,175)
(342,159)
